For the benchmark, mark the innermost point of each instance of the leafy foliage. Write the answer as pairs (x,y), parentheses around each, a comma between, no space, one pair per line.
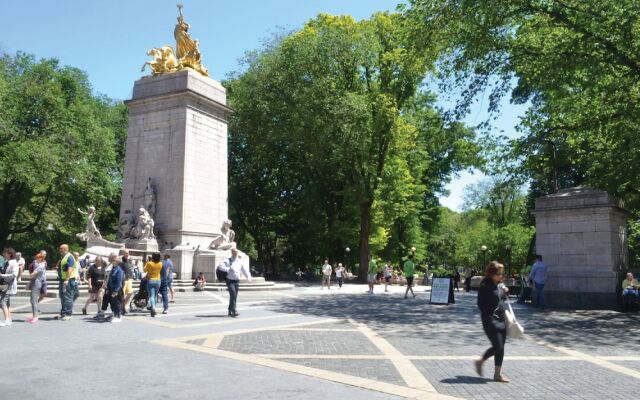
(61,148)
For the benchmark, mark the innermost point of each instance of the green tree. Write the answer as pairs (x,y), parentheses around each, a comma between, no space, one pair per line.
(330,117)
(59,147)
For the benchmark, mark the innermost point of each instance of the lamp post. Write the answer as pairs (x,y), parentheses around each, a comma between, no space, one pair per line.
(507,248)
(483,249)
(346,261)
(413,250)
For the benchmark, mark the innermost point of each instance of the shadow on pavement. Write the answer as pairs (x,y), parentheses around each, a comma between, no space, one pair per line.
(474,380)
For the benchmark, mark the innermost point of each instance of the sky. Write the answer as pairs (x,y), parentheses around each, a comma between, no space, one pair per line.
(109,41)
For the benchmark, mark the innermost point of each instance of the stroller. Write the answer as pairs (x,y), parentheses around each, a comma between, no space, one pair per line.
(140,299)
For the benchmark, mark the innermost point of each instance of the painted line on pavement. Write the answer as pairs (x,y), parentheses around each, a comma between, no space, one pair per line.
(28,305)
(217,297)
(350,380)
(593,360)
(408,371)
(153,321)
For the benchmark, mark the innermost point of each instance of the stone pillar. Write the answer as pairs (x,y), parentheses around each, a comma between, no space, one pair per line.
(582,236)
(177,136)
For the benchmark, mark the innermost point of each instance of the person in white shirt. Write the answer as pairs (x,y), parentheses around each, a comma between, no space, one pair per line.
(340,275)
(326,275)
(21,263)
(388,269)
(10,277)
(234,266)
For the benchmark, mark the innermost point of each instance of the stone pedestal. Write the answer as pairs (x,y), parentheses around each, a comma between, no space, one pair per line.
(582,236)
(177,136)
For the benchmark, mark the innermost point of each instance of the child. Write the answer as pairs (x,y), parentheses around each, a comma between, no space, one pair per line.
(200,282)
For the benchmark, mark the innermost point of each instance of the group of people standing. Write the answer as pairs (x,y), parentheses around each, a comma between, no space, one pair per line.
(109,283)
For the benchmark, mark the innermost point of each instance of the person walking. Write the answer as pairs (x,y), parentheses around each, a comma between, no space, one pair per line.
(165,272)
(539,276)
(37,277)
(388,269)
(326,275)
(9,274)
(409,268)
(234,266)
(340,275)
(169,275)
(67,277)
(491,305)
(456,279)
(371,273)
(114,288)
(21,264)
(95,280)
(127,288)
(153,269)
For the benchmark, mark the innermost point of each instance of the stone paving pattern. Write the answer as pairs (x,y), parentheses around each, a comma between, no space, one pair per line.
(447,338)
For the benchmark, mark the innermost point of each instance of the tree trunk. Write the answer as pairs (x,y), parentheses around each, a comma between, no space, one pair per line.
(365,227)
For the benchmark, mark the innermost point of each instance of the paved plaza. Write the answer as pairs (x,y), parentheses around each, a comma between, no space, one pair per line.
(309,343)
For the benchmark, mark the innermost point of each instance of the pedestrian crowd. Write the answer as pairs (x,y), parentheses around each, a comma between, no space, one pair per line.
(109,283)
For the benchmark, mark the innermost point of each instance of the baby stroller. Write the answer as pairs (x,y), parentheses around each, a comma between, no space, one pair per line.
(140,299)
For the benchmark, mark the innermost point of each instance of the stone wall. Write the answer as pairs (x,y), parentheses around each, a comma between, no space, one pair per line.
(177,136)
(581,234)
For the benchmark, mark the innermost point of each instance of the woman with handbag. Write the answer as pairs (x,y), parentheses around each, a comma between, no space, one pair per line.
(492,313)
(9,285)
(37,277)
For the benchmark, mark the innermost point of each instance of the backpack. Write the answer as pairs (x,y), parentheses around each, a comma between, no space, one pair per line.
(221,275)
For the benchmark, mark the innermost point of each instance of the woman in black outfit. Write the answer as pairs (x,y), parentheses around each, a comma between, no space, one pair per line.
(490,302)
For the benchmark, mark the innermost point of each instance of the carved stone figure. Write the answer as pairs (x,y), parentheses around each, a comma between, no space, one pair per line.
(150,199)
(164,60)
(90,230)
(225,239)
(124,228)
(144,226)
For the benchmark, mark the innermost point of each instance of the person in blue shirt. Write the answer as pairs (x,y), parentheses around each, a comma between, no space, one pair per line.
(539,276)
(114,287)
(166,281)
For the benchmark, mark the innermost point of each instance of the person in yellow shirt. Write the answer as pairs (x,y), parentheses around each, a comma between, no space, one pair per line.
(152,269)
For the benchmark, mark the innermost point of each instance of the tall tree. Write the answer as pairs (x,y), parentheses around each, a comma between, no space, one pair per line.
(57,148)
(329,109)
(575,62)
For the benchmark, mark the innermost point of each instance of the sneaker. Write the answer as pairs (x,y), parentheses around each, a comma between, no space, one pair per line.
(32,320)
(65,318)
(164,311)
(7,322)
(84,311)
(3,323)
(116,320)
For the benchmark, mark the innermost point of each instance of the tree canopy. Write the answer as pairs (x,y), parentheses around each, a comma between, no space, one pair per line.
(61,148)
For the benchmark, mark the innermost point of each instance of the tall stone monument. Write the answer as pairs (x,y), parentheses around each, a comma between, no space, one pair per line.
(176,154)
(581,234)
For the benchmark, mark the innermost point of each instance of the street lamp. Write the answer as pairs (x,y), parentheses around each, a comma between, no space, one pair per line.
(507,248)
(483,249)
(346,261)
(413,249)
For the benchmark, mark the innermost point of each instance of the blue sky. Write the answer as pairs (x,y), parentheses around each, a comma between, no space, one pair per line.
(109,39)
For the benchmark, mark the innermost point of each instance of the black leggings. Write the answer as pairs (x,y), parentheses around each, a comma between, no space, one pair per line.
(497,337)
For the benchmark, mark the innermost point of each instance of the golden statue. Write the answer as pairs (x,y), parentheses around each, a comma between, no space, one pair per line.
(163,61)
(187,48)
(187,52)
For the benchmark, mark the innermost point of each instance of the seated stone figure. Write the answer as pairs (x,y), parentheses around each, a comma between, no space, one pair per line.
(225,239)
(144,227)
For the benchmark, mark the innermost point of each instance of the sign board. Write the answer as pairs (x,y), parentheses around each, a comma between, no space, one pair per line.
(440,290)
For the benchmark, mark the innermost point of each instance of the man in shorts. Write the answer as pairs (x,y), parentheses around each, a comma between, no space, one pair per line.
(127,288)
(372,272)
(326,274)
(409,268)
